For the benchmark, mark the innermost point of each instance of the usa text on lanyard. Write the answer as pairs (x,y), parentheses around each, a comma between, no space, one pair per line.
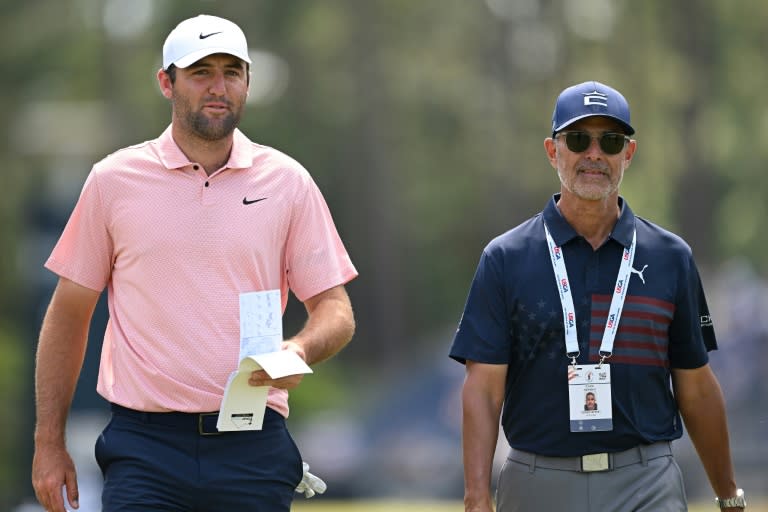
(566,299)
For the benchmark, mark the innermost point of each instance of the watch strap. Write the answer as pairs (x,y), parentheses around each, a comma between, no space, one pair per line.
(737,501)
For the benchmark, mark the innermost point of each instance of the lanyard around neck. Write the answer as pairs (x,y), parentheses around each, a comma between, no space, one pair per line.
(566,299)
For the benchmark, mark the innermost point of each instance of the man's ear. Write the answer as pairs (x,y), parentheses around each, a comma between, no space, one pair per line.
(631,147)
(164,81)
(550,146)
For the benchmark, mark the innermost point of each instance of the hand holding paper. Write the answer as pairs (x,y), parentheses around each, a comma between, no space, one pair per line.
(243,405)
(290,381)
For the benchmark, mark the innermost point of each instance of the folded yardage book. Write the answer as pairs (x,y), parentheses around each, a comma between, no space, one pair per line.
(261,336)
(243,405)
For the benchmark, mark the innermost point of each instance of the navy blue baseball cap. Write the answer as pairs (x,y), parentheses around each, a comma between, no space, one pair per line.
(590,99)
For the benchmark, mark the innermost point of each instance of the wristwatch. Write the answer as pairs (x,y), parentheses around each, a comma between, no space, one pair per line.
(737,501)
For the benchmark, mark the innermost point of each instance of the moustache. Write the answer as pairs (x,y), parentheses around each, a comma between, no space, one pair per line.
(592,166)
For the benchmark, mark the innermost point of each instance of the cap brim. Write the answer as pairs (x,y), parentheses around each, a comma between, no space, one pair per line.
(627,128)
(195,56)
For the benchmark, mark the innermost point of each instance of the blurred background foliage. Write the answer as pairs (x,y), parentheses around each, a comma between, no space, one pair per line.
(421,120)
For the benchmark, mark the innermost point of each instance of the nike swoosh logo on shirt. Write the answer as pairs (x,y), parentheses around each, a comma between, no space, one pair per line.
(251,201)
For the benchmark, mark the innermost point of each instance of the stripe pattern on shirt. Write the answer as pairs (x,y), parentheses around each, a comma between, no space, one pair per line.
(642,338)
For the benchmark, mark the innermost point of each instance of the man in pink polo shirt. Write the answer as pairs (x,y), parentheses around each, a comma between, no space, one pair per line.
(176,229)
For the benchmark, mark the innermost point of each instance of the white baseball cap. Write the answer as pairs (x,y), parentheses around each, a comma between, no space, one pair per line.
(203,35)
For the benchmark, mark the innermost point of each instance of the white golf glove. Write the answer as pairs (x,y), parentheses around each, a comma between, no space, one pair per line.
(310,484)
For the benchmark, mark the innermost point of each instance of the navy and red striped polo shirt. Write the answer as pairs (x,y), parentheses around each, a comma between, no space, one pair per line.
(513,316)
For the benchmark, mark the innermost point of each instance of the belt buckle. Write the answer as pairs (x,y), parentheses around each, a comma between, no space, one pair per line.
(201,428)
(595,462)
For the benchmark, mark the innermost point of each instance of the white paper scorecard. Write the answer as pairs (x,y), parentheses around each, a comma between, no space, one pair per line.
(261,337)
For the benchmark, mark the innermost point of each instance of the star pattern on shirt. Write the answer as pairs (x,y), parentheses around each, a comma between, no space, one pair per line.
(537,329)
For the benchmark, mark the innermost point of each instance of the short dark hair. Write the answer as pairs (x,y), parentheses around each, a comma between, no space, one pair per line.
(171,72)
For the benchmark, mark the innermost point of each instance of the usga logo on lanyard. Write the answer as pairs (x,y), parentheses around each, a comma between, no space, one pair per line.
(589,387)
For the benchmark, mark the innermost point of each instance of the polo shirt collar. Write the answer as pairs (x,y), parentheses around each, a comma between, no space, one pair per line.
(172,157)
(562,232)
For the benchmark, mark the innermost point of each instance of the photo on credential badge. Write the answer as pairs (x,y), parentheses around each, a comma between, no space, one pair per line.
(590,401)
(589,383)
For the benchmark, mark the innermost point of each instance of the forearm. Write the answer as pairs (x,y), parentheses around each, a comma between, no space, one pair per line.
(479,435)
(703,410)
(59,359)
(329,327)
(482,399)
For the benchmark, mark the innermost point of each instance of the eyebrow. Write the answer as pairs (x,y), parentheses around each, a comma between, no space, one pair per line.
(234,63)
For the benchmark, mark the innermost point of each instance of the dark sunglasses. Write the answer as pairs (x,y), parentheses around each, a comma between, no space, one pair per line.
(611,143)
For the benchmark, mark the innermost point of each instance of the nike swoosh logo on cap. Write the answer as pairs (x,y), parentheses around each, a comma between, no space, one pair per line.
(208,35)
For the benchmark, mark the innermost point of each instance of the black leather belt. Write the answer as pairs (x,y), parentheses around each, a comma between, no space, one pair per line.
(204,423)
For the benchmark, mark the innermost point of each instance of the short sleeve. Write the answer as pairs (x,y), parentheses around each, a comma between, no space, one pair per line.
(316,259)
(483,332)
(691,333)
(84,252)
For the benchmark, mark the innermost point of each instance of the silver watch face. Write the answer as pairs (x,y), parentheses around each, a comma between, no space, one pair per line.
(736,501)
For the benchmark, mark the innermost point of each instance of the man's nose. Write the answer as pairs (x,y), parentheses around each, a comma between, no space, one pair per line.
(217,87)
(594,150)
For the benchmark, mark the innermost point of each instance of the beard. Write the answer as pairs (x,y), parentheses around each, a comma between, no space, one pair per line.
(587,189)
(207,128)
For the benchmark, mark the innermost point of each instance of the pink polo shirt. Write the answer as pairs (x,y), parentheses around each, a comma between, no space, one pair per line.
(175,248)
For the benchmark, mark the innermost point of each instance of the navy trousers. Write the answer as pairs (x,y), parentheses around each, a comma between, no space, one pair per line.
(177,462)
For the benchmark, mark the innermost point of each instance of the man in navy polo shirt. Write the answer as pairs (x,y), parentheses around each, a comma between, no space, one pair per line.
(585,297)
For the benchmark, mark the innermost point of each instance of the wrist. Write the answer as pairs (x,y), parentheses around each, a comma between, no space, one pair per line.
(477,500)
(296,345)
(736,501)
(49,436)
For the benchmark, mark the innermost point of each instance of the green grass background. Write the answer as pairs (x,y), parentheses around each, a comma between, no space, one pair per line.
(319,505)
